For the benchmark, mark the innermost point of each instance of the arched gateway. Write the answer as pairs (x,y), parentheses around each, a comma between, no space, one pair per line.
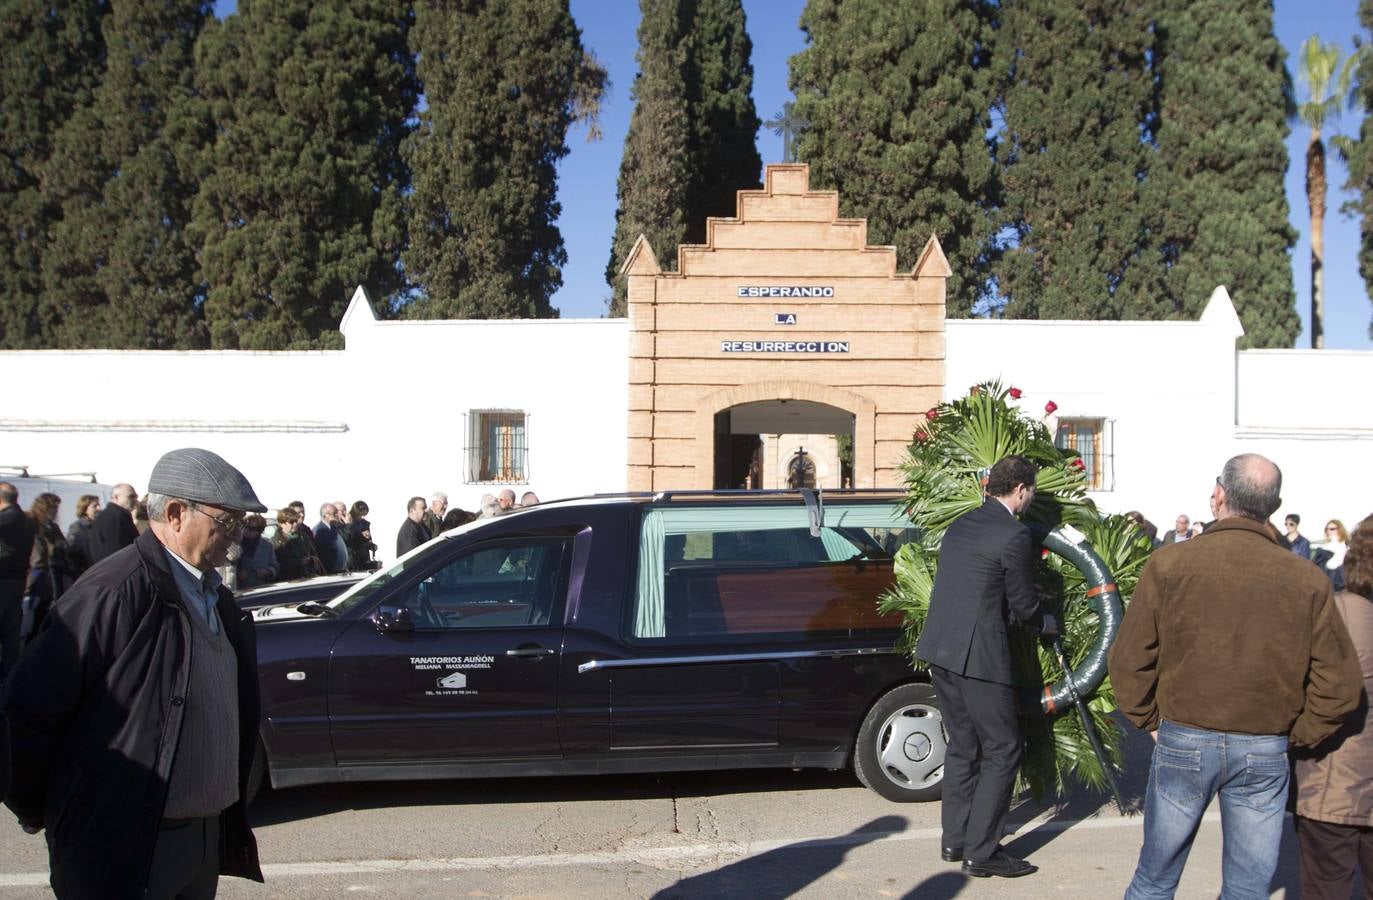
(784,319)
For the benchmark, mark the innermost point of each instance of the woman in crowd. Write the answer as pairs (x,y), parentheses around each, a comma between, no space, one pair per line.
(79,534)
(1335,789)
(293,554)
(359,538)
(257,562)
(49,570)
(1330,557)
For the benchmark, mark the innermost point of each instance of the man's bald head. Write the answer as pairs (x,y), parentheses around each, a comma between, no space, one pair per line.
(1250,486)
(124,495)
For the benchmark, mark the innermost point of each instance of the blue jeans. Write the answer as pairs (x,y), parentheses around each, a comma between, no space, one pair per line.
(1192,765)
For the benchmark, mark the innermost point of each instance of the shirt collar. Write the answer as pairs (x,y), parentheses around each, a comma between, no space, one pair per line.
(208,580)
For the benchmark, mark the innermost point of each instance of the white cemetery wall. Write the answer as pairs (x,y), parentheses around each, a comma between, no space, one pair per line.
(380,421)
(1170,394)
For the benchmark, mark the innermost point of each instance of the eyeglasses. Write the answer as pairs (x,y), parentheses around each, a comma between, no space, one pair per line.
(228,522)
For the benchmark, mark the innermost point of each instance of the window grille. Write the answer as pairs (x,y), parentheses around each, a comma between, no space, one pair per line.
(498,447)
(1091,439)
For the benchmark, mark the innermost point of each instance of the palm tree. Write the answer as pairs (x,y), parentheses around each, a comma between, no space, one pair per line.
(1327,83)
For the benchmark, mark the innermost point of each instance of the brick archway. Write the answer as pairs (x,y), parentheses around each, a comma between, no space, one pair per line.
(864,413)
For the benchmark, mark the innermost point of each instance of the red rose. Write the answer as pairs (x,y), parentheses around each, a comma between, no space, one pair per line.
(921,436)
(1077,464)
(932,413)
(1044,554)
(1015,393)
(1050,407)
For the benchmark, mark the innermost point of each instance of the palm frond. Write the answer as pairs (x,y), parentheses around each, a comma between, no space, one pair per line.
(943,471)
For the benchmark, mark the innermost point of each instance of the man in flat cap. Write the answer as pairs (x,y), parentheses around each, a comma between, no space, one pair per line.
(134,713)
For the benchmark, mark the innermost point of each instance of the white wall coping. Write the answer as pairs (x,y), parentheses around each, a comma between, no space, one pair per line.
(177,425)
(1080,323)
(1304,434)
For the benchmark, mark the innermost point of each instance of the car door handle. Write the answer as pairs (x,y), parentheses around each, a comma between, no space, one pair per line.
(530,652)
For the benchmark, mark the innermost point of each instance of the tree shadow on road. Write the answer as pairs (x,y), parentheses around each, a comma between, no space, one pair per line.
(782,872)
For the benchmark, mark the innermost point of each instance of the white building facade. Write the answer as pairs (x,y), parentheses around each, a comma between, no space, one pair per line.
(471,407)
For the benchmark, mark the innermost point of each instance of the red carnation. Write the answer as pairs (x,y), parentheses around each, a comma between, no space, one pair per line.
(932,413)
(1015,393)
(1077,464)
(1050,408)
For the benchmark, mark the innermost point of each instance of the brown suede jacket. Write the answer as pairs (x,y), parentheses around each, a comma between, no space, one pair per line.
(1229,632)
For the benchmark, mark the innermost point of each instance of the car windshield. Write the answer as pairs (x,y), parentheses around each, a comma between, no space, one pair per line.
(368,587)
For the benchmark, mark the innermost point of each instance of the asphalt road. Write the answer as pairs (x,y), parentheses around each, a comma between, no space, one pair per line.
(752,834)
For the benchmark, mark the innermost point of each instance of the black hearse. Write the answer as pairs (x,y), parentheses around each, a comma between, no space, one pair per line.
(628,633)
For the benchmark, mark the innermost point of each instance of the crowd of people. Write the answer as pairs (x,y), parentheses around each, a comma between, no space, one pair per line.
(425,521)
(38,563)
(1328,553)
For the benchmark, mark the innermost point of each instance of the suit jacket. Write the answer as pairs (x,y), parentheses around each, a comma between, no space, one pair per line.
(411,535)
(112,531)
(985,581)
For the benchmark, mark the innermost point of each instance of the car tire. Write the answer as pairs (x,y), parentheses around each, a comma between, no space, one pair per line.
(900,748)
(257,773)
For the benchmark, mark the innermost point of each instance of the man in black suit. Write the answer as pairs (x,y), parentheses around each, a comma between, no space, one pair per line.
(412,531)
(985,581)
(113,528)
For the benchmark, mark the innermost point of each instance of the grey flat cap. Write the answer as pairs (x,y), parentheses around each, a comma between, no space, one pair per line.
(195,474)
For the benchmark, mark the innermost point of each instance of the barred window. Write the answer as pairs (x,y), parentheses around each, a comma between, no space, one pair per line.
(498,448)
(1089,437)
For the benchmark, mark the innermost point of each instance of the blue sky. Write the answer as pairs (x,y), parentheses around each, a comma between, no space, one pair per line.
(587,176)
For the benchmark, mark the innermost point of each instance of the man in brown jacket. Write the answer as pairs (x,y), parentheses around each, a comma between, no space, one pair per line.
(1231,649)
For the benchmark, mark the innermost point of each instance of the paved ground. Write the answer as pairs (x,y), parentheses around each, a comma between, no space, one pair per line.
(755,834)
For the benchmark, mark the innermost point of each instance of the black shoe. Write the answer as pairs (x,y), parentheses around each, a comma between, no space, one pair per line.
(1001,864)
(951,854)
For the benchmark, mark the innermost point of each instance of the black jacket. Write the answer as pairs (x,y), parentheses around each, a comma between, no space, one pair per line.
(95,710)
(79,545)
(112,531)
(985,581)
(411,535)
(16,542)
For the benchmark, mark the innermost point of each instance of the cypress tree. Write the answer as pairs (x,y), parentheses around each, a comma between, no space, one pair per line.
(503,83)
(1360,159)
(897,99)
(1076,111)
(721,116)
(654,184)
(692,138)
(1225,100)
(120,265)
(52,61)
(300,195)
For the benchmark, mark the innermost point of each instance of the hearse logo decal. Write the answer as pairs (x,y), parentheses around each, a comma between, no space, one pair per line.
(455,682)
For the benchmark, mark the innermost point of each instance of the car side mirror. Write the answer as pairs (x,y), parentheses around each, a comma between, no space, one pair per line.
(391,623)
